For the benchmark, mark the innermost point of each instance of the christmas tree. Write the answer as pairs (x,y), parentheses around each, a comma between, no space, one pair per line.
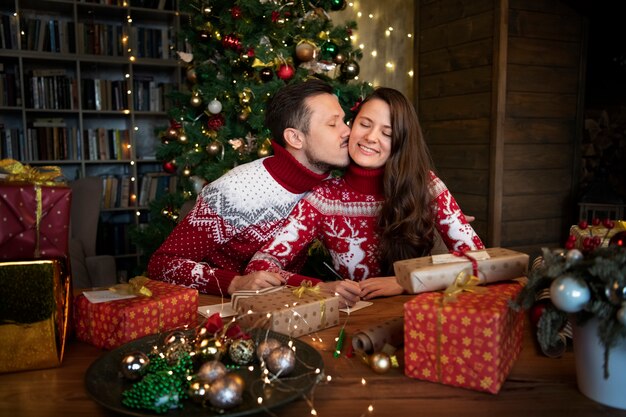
(237,54)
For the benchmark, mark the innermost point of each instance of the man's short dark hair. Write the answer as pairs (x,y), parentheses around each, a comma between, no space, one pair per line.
(287,108)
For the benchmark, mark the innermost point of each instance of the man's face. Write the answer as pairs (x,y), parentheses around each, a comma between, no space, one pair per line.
(326,144)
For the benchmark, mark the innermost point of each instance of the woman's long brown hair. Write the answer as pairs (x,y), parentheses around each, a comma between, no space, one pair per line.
(406,219)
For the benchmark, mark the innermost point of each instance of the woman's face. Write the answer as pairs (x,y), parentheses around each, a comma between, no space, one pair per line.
(370,138)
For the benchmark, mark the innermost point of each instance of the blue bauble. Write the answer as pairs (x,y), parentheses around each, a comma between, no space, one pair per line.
(569,294)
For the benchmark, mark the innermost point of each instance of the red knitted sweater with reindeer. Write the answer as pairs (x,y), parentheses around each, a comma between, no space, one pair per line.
(342,214)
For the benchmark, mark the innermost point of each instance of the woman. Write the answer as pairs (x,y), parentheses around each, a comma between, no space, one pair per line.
(385,208)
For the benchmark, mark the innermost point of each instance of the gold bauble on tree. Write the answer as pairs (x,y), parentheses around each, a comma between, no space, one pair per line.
(196,100)
(306,51)
(191,75)
(214,148)
(263,151)
(245,96)
(244,115)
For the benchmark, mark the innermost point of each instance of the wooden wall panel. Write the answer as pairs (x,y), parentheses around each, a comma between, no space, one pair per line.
(471,80)
(439,12)
(546,52)
(467,157)
(538,130)
(538,156)
(454,132)
(528,24)
(469,55)
(464,30)
(470,106)
(534,206)
(542,79)
(548,105)
(539,181)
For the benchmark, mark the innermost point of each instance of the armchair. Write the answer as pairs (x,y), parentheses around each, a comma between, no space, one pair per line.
(88,269)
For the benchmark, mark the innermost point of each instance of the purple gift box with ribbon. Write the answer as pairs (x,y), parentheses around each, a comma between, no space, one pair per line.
(433,273)
(294,311)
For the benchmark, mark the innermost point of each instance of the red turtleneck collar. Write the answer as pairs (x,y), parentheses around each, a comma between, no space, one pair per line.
(365,181)
(290,173)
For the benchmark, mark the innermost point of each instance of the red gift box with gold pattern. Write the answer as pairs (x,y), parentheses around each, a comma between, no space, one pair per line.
(471,342)
(113,323)
(34,221)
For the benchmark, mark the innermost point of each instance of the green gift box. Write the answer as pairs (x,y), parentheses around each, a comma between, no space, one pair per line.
(33,314)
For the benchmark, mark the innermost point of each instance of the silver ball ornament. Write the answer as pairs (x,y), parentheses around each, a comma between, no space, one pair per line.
(134,365)
(211,371)
(214,106)
(574,256)
(281,361)
(569,294)
(226,392)
(265,347)
(241,351)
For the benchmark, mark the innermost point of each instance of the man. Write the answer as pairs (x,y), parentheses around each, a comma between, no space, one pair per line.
(238,213)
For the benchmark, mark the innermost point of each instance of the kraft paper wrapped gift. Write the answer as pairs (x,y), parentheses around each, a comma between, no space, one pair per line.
(424,274)
(35,296)
(113,323)
(294,311)
(472,342)
(34,212)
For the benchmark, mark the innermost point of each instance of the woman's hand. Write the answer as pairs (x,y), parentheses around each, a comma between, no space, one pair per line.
(347,290)
(380,287)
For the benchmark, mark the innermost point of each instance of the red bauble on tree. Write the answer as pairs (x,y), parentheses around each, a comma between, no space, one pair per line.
(232,42)
(285,72)
(169,167)
(235,12)
(216,121)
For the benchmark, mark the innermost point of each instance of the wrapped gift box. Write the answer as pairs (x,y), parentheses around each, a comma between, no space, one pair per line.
(34,221)
(426,274)
(592,231)
(113,323)
(33,314)
(471,342)
(293,311)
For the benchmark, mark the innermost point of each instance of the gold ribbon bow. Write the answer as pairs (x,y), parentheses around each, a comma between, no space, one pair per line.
(462,282)
(45,175)
(135,286)
(307,287)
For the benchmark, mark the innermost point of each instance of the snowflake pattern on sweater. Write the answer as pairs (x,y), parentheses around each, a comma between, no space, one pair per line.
(233,217)
(342,214)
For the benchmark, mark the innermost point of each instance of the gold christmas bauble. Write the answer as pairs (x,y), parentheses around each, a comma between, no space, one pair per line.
(339,58)
(380,362)
(196,100)
(191,75)
(245,113)
(305,51)
(214,148)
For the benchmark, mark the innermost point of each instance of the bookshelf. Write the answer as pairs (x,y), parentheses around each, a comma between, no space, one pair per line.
(83,86)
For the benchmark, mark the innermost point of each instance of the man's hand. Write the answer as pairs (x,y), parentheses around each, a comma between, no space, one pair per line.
(255,281)
(347,290)
(380,287)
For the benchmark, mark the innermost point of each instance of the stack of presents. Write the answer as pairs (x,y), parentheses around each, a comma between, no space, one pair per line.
(39,312)
(455,332)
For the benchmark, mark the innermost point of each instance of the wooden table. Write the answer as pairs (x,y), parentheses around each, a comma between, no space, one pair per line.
(537,385)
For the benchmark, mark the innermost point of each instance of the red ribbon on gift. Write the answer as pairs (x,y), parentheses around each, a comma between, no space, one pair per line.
(463,254)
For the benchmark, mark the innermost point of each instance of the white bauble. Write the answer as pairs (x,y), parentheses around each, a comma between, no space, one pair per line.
(569,294)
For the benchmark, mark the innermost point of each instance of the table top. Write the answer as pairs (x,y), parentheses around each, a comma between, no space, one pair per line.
(537,385)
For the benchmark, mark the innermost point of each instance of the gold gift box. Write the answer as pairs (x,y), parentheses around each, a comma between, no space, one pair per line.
(33,314)
(419,275)
(289,310)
